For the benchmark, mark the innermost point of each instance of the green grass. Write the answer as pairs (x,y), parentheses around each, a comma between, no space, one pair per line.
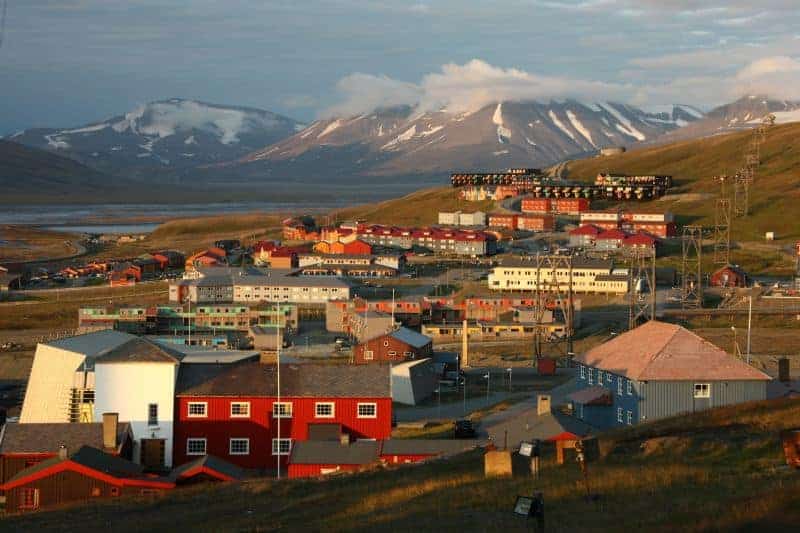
(718,470)
(693,164)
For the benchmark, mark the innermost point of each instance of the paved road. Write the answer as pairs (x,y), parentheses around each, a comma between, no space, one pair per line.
(451,410)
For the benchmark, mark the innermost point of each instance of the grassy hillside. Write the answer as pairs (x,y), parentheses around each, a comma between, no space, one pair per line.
(719,470)
(775,196)
(418,208)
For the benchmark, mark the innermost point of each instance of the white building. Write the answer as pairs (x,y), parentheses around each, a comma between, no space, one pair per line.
(458,218)
(137,380)
(79,378)
(588,277)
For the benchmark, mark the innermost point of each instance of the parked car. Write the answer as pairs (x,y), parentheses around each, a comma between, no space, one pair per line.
(463,429)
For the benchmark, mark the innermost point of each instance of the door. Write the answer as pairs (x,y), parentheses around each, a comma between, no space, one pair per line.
(152,453)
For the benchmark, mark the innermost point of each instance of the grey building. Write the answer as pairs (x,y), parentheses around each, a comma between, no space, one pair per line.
(659,370)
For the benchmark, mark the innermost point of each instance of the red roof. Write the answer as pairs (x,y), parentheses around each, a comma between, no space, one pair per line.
(612,235)
(588,229)
(640,239)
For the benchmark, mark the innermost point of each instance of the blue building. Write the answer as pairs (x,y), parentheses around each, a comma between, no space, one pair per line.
(659,370)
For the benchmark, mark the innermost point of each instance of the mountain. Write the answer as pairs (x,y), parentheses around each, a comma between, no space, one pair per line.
(164,137)
(744,113)
(20,164)
(400,141)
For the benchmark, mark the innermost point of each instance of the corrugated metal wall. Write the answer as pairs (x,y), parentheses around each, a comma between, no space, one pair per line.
(665,398)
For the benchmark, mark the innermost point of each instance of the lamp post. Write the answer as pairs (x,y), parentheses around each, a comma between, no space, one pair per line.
(487,376)
(464,383)
(509,379)
(438,392)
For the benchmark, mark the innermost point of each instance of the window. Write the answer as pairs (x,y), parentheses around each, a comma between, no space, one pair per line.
(392,353)
(589,372)
(629,387)
(281,446)
(240,409)
(368,355)
(583,372)
(282,410)
(239,447)
(96,492)
(619,414)
(620,385)
(600,377)
(152,414)
(367,410)
(196,446)
(609,377)
(29,498)
(324,409)
(114,491)
(386,343)
(197,409)
(702,390)
(630,418)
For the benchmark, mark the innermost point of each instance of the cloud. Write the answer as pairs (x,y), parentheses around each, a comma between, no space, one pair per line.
(776,76)
(362,93)
(462,88)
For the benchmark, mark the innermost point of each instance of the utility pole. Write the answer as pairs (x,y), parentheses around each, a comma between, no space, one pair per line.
(641,281)
(722,224)
(691,267)
(280,407)
(552,289)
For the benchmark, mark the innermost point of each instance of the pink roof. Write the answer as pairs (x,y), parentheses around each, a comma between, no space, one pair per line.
(588,229)
(667,352)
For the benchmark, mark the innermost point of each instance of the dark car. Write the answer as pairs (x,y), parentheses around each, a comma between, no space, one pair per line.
(463,429)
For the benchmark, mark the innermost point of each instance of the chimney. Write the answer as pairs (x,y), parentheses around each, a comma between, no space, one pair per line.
(542,404)
(464,345)
(344,439)
(62,451)
(110,423)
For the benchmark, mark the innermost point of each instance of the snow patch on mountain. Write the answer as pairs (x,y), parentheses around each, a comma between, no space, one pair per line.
(560,125)
(56,142)
(503,133)
(333,126)
(624,125)
(190,140)
(583,130)
(693,111)
(403,137)
(431,130)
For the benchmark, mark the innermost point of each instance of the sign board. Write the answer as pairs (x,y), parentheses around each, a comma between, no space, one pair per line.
(526,449)
(523,505)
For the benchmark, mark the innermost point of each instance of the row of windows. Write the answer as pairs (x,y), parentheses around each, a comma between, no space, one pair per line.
(628,417)
(236,446)
(282,409)
(588,374)
(700,390)
(369,355)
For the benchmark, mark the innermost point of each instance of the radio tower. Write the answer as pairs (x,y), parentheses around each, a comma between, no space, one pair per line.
(642,287)
(752,159)
(722,224)
(549,288)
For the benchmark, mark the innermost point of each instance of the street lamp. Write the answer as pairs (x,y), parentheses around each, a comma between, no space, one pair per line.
(487,377)
(464,383)
(438,392)
(509,378)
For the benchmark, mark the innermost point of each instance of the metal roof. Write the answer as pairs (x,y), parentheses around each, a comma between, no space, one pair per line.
(411,337)
(328,452)
(661,351)
(140,350)
(297,380)
(427,446)
(47,438)
(93,344)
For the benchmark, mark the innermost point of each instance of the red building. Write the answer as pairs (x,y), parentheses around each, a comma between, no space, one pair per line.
(729,276)
(231,411)
(503,220)
(399,345)
(88,474)
(356,247)
(571,206)
(536,222)
(536,205)
(26,445)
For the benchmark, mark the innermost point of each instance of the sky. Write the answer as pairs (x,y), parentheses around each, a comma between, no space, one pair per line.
(65,63)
